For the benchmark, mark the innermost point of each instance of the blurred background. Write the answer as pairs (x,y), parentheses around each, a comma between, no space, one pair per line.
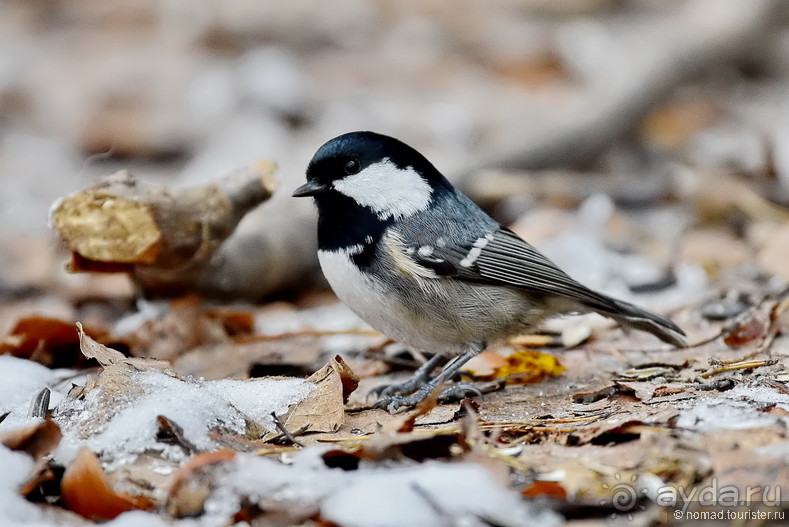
(558,117)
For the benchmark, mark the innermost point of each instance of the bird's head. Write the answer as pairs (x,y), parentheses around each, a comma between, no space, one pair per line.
(374,172)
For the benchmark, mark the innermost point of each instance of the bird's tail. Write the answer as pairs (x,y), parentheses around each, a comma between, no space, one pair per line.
(633,316)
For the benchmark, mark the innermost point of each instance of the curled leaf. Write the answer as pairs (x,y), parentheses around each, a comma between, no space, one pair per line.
(86,491)
(190,488)
(523,367)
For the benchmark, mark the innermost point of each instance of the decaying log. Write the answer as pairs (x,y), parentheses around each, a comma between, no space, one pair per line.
(164,238)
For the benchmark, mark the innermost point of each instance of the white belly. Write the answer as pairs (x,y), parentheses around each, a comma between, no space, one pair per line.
(366,297)
(439,320)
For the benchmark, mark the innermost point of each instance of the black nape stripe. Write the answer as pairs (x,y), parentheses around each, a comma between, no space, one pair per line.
(365,258)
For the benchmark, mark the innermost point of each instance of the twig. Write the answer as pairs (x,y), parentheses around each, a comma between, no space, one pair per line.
(285,432)
(742,365)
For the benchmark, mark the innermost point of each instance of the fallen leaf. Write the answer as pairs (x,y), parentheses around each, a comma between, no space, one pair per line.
(349,379)
(190,486)
(86,491)
(323,410)
(37,440)
(184,326)
(624,426)
(550,489)
(48,341)
(235,321)
(523,367)
(93,350)
(485,364)
(746,332)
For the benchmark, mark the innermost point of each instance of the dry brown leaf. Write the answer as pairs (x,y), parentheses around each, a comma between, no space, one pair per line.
(109,357)
(323,410)
(37,440)
(605,393)
(211,361)
(745,333)
(190,486)
(348,378)
(93,350)
(49,341)
(549,489)
(398,438)
(86,491)
(418,445)
(647,390)
(235,321)
(183,327)
(624,426)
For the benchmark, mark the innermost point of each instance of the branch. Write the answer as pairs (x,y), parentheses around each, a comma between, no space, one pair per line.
(164,238)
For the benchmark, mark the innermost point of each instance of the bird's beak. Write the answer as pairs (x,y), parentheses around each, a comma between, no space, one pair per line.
(310,188)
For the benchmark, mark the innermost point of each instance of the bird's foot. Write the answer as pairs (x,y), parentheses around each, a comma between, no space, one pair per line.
(458,392)
(454,392)
(420,378)
(404,388)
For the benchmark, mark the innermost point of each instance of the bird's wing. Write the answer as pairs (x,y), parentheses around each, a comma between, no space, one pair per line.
(501,257)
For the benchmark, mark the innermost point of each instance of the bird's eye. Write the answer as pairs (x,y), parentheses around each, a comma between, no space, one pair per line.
(352,167)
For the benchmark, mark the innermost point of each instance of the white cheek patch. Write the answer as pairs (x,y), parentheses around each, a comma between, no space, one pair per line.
(391,192)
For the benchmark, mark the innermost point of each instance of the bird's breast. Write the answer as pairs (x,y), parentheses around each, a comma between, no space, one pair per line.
(430,314)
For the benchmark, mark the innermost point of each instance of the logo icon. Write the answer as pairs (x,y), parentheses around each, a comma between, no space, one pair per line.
(624,497)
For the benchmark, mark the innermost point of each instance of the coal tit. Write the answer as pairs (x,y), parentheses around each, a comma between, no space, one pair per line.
(420,262)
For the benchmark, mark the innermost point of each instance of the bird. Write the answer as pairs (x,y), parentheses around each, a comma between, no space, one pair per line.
(420,262)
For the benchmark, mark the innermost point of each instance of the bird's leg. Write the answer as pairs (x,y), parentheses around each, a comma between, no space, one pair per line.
(420,377)
(393,402)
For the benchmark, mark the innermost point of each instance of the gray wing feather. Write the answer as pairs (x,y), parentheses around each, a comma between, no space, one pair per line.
(507,259)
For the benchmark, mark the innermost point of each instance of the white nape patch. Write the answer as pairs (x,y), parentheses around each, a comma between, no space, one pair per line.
(476,250)
(425,251)
(353,249)
(441,241)
(391,192)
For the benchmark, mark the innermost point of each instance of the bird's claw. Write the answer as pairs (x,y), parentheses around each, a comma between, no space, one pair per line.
(455,392)
(392,403)
(458,392)
(388,390)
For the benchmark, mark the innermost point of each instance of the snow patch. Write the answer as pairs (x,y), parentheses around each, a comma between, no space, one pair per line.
(16,469)
(197,406)
(432,493)
(20,381)
(737,409)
